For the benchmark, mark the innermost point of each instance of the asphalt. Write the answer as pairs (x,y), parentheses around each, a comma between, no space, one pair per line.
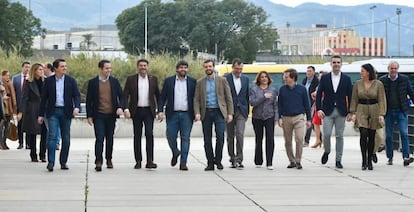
(27,186)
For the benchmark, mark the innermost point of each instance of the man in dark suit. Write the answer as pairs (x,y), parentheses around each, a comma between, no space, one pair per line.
(60,103)
(177,96)
(102,110)
(19,80)
(141,92)
(333,107)
(311,82)
(239,88)
(213,105)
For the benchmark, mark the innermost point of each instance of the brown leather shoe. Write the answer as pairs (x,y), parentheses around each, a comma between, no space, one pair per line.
(137,165)
(151,165)
(183,167)
(109,164)
(98,167)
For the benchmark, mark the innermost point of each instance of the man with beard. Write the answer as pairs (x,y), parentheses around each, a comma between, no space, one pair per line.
(213,104)
(177,96)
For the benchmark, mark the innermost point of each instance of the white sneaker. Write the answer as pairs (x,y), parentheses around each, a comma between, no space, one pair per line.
(269,167)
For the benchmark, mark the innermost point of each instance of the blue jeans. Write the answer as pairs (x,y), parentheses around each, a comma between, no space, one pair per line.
(328,123)
(213,116)
(104,125)
(391,117)
(179,122)
(57,119)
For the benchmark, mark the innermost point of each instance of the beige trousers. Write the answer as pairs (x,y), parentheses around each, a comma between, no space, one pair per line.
(294,124)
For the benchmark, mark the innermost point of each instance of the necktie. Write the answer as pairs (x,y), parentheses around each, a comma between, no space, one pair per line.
(24,82)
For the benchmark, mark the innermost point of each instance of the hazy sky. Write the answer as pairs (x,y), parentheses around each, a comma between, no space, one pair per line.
(293,3)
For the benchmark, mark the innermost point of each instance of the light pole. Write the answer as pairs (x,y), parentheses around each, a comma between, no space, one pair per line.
(398,11)
(372,30)
(146,29)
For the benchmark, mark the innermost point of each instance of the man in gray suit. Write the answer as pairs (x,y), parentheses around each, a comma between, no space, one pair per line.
(19,81)
(213,105)
(239,88)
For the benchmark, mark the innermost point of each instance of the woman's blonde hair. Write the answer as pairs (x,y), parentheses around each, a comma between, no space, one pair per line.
(33,69)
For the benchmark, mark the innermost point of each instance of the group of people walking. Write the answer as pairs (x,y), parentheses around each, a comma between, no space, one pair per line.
(46,106)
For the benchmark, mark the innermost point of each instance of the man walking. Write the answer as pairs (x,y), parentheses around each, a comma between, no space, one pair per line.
(397,88)
(60,103)
(213,105)
(333,108)
(293,104)
(141,93)
(177,96)
(19,81)
(104,103)
(311,82)
(239,88)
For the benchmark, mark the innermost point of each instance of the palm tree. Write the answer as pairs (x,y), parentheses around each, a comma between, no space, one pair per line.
(87,42)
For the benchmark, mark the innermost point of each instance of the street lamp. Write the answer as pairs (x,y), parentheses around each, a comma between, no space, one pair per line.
(372,30)
(398,11)
(146,29)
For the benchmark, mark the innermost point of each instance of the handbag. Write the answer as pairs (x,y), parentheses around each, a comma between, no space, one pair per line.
(12,132)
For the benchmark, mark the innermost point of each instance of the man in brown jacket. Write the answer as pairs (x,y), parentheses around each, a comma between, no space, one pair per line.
(213,104)
(141,93)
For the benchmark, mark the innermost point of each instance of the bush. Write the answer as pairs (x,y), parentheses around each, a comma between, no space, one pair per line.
(83,68)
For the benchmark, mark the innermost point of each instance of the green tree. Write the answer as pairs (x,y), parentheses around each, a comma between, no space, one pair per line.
(233,28)
(87,42)
(18,27)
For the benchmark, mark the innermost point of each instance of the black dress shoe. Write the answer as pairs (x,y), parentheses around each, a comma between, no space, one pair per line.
(338,165)
(109,164)
(35,160)
(151,165)
(43,160)
(174,159)
(389,161)
(219,166)
(210,167)
(374,158)
(324,158)
(20,146)
(298,166)
(49,167)
(381,148)
(239,166)
(291,165)
(233,165)
(137,165)
(183,167)
(64,167)
(27,147)
(407,161)
(98,167)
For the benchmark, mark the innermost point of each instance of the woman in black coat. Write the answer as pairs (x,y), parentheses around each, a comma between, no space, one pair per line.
(29,107)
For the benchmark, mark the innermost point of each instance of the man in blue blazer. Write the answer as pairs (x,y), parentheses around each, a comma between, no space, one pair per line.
(239,88)
(18,81)
(332,103)
(60,103)
(177,96)
(104,103)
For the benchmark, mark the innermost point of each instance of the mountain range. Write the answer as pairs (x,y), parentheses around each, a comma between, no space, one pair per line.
(63,15)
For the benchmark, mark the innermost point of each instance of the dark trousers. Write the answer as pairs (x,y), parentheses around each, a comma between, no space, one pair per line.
(308,134)
(104,125)
(20,133)
(43,140)
(31,141)
(143,116)
(213,116)
(269,126)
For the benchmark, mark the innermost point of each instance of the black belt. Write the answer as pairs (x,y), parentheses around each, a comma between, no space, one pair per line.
(180,111)
(143,107)
(368,101)
(60,107)
(212,109)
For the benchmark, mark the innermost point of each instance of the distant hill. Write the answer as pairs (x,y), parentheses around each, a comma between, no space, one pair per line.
(62,15)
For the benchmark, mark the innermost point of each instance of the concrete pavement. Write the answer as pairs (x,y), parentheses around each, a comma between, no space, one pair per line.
(27,186)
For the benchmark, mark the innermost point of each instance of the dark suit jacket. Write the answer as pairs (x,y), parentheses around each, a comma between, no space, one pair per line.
(404,88)
(241,100)
(131,93)
(167,96)
(29,107)
(17,84)
(92,96)
(71,96)
(312,88)
(342,97)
